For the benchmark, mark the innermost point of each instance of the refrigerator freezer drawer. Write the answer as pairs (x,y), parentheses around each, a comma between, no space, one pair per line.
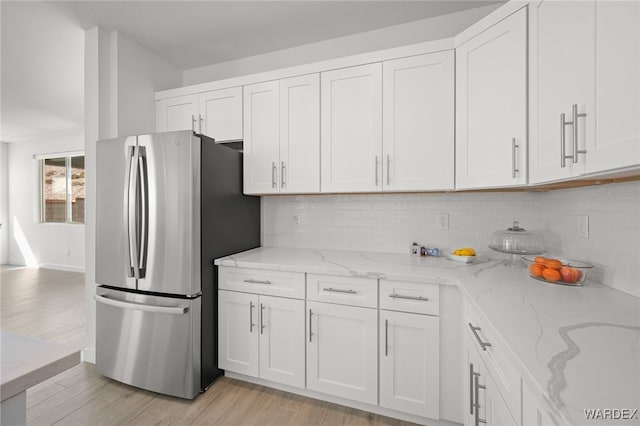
(150,342)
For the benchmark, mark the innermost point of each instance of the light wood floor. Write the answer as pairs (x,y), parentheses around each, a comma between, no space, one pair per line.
(51,305)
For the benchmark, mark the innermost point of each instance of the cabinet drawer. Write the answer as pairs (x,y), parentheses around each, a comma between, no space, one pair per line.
(496,358)
(260,281)
(353,291)
(410,297)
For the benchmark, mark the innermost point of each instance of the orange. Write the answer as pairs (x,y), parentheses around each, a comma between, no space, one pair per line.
(553,264)
(536,269)
(551,274)
(540,259)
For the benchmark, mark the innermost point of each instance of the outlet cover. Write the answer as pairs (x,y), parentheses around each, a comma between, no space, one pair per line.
(295,219)
(442,222)
(583,226)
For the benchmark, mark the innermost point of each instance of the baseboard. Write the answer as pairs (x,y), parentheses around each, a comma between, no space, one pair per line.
(67,268)
(89,355)
(342,401)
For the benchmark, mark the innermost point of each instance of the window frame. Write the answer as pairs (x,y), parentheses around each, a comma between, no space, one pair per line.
(68,186)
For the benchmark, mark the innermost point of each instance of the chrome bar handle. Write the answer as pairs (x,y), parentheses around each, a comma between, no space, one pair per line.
(144,214)
(200,123)
(262,319)
(127,212)
(575,116)
(193,123)
(133,213)
(483,345)
(477,388)
(310,333)
(282,170)
(514,158)
(400,296)
(251,324)
(273,175)
(377,170)
(388,170)
(471,375)
(337,290)
(252,281)
(563,144)
(386,337)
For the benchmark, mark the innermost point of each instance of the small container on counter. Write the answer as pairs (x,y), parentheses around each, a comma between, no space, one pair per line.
(414,250)
(425,251)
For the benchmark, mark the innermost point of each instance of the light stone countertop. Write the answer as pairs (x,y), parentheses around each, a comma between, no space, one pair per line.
(27,361)
(580,346)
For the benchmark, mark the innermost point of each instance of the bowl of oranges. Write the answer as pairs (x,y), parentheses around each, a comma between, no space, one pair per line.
(557,270)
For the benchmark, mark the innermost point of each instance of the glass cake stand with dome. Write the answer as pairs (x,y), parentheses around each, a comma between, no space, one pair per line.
(517,242)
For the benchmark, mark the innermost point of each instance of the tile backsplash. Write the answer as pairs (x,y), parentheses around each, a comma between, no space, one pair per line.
(391,222)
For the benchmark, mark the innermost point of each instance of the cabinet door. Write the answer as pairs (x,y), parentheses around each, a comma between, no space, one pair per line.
(282,345)
(491,106)
(482,401)
(341,351)
(300,134)
(497,412)
(351,129)
(179,113)
(617,141)
(221,114)
(418,117)
(562,74)
(410,363)
(238,332)
(535,413)
(261,138)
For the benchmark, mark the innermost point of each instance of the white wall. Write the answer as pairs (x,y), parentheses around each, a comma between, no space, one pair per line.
(390,223)
(121,78)
(139,75)
(394,36)
(4,203)
(32,243)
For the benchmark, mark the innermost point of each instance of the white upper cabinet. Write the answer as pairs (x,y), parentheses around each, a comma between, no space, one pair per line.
(418,123)
(351,129)
(179,113)
(617,140)
(491,106)
(585,64)
(261,138)
(282,136)
(221,114)
(300,134)
(217,114)
(562,75)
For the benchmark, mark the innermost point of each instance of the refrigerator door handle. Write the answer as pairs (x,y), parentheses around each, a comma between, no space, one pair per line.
(144,205)
(178,310)
(130,211)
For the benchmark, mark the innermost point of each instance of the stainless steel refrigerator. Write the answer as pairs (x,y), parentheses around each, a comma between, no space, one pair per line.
(167,205)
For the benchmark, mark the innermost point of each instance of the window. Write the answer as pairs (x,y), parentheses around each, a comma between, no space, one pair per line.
(62,193)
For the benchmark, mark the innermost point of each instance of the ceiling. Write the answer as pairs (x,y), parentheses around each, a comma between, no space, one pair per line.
(42,43)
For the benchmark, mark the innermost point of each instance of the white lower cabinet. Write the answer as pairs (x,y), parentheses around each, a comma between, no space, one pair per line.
(262,336)
(483,402)
(535,413)
(409,363)
(237,332)
(342,351)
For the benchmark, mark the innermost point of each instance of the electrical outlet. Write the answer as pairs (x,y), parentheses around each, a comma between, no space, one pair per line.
(295,219)
(583,226)
(442,221)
